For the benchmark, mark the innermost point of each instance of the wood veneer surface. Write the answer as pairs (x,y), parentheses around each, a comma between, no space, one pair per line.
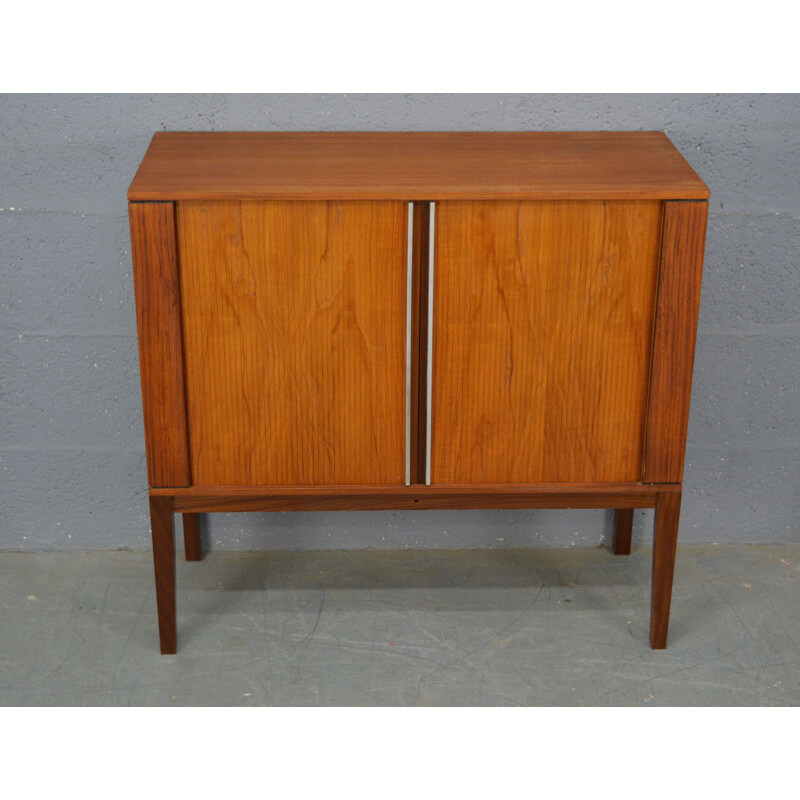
(674,341)
(295,337)
(157,284)
(414,166)
(332,498)
(542,330)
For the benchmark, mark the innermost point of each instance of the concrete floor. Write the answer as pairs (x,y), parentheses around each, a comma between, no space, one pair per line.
(466,628)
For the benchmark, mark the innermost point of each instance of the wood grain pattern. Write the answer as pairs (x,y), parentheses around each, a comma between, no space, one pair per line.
(157,286)
(414,166)
(541,345)
(333,498)
(665,542)
(623,531)
(678,305)
(163,532)
(295,330)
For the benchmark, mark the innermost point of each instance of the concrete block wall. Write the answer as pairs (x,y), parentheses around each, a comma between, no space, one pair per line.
(72,467)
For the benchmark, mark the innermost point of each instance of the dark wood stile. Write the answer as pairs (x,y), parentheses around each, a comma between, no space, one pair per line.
(158,303)
(677,307)
(419,341)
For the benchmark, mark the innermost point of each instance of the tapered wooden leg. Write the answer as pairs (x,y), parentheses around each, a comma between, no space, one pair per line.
(161,521)
(665,541)
(191,537)
(623,531)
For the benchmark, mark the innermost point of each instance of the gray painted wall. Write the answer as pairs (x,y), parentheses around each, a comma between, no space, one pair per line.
(72,467)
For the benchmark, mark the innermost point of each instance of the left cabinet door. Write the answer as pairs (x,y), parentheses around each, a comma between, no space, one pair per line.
(294,329)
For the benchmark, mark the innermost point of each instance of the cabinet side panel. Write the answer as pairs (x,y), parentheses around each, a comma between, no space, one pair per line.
(678,304)
(158,316)
(543,319)
(295,324)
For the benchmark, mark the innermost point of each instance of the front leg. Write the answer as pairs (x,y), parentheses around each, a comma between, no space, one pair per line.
(665,542)
(162,524)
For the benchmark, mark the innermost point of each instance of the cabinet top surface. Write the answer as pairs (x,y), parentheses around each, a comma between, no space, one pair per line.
(414,166)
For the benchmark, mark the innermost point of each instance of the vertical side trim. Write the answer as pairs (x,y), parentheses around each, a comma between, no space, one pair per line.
(158,317)
(419,341)
(674,338)
(429,402)
(184,367)
(409,326)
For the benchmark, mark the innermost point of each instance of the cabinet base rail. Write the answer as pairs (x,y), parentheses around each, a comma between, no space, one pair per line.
(623,497)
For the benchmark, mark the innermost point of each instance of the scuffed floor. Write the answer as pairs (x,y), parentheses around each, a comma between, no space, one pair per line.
(514,627)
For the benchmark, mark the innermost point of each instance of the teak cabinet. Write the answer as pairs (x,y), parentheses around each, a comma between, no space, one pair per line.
(416,320)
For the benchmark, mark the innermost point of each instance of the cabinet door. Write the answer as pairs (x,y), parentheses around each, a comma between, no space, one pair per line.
(294,317)
(542,330)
